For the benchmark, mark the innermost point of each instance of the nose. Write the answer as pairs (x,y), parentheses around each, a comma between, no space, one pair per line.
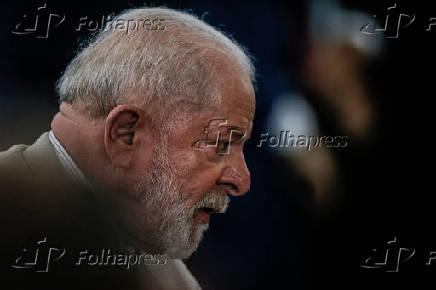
(235,178)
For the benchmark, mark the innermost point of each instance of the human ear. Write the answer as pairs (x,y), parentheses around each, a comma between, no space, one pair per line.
(126,129)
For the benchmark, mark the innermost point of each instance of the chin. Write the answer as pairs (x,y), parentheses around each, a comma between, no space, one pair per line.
(189,247)
(181,254)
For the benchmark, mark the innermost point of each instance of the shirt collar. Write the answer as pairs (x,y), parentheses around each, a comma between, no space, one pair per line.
(67,162)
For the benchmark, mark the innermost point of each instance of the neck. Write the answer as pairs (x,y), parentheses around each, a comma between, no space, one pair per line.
(83,138)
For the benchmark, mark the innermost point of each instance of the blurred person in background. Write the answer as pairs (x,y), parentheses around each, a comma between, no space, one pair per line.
(334,99)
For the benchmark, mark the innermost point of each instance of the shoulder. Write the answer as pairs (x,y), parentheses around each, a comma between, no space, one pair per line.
(35,162)
(13,166)
(25,176)
(13,159)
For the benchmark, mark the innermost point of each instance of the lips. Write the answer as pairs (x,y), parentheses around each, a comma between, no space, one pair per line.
(203,214)
(209,204)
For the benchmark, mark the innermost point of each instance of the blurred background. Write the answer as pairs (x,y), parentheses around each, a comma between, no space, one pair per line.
(359,69)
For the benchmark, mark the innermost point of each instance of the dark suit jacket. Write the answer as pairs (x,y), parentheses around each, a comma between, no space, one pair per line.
(44,211)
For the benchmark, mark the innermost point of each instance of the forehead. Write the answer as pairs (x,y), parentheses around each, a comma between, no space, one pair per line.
(236,104)
(236,93)
(236,109)
(233,86)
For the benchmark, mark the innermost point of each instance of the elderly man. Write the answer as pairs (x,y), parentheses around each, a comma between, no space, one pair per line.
(122,166)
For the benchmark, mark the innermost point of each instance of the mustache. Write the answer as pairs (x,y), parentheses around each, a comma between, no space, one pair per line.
(218,201)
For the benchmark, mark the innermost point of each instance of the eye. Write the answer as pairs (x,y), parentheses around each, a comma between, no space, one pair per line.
(223,147)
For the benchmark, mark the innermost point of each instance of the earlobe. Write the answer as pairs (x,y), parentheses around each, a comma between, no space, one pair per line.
(121,136)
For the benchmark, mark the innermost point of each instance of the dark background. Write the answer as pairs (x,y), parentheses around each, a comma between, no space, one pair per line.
(277,237)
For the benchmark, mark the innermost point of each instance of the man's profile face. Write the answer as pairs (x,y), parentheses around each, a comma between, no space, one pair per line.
(184,185)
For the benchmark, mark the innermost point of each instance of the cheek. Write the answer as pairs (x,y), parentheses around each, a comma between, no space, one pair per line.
(142,161)
(197,174)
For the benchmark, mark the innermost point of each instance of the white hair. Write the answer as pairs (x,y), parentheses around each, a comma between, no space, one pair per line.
(172,62)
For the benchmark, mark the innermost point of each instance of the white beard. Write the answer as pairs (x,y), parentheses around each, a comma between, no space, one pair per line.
(170,226)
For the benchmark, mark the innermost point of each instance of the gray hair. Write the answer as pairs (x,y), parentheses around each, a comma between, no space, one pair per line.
(168,59)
